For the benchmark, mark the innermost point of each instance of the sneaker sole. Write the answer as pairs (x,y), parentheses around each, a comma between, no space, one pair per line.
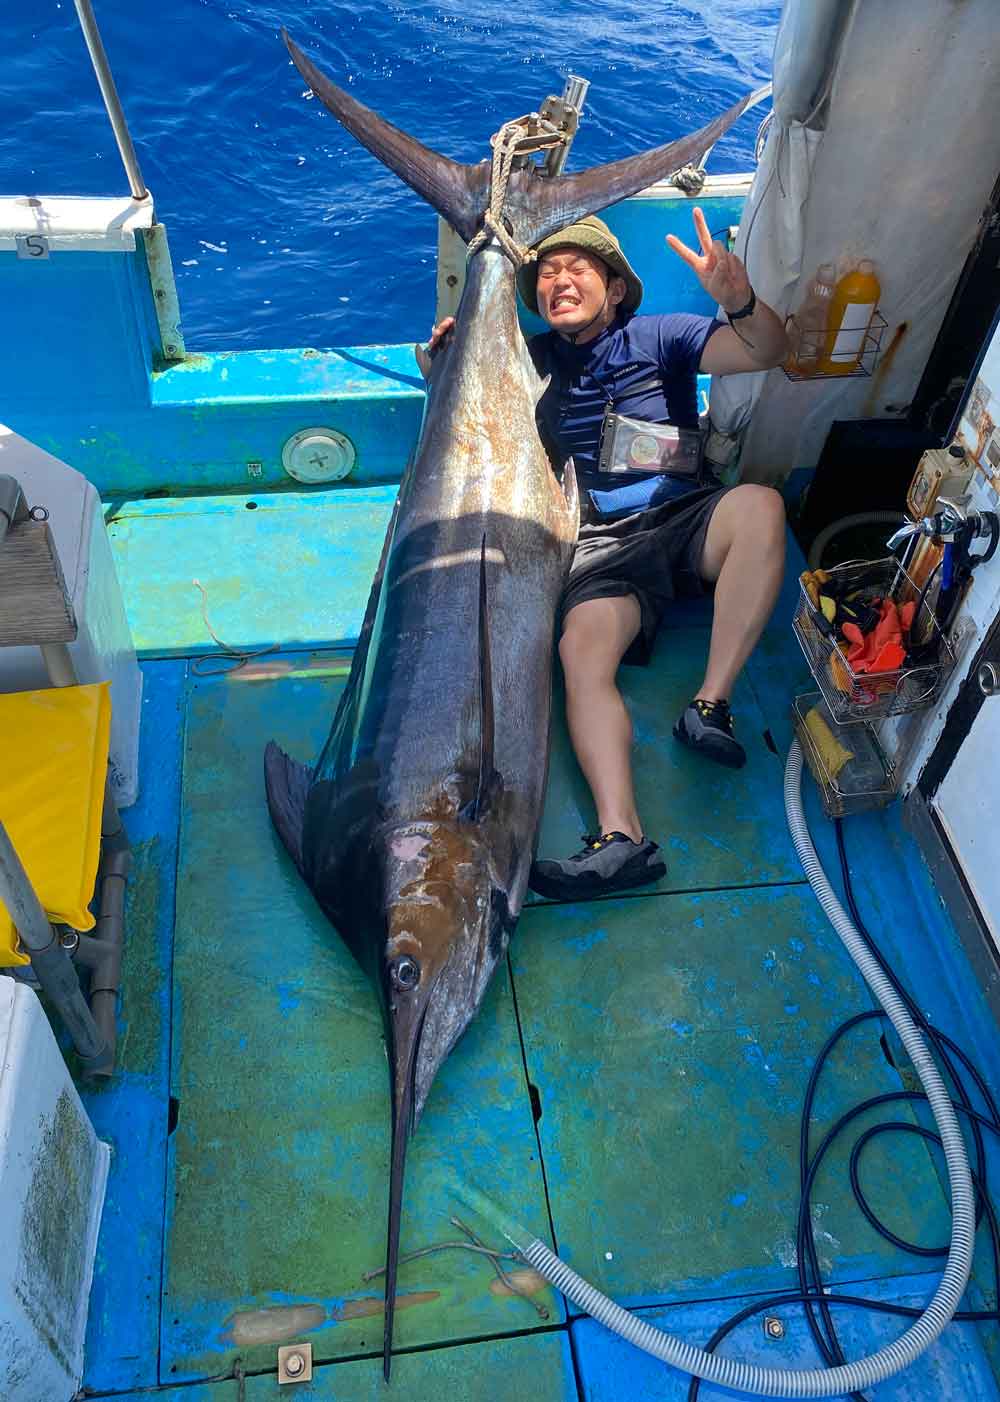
(587,888)
(723,757)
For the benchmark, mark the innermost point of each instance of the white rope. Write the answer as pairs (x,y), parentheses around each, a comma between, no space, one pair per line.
(512,140)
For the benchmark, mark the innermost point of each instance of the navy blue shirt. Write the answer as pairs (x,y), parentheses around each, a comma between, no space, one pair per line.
(645,367)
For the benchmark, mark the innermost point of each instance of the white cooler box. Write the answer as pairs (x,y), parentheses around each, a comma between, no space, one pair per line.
(53,1171)
(103,648)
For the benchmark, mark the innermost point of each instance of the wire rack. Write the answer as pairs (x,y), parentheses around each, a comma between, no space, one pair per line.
(868,696)
(847,761)
(810,346)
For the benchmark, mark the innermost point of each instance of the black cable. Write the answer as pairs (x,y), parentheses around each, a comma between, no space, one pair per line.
(812,1294)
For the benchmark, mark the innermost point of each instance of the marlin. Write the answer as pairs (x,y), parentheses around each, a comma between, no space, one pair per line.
(416,828)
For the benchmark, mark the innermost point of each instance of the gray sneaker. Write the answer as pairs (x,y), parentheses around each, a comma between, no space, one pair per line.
(707,727)
(608,862)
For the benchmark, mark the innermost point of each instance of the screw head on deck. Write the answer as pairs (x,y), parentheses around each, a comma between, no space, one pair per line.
(774,1327)
(295,1363)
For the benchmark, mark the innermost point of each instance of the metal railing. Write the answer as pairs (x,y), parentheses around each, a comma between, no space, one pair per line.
(112,101)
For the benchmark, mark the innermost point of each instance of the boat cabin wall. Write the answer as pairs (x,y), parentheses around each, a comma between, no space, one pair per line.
(978,432)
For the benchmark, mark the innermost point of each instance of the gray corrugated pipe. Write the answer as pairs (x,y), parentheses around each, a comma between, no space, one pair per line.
(861,518)
(791,1382)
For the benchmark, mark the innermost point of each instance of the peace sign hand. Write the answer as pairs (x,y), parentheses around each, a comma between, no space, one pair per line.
(720,273)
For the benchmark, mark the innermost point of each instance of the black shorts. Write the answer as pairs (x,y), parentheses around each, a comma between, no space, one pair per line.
(654,555)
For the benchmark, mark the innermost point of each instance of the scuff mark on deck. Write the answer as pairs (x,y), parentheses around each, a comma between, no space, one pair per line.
(528,1282)
(374,1304)
(272,1325)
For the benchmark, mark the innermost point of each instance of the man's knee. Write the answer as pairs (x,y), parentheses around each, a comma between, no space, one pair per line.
(757,508)
(596,635)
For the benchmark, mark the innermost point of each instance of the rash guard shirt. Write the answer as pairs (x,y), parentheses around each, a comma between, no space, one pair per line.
(616,369)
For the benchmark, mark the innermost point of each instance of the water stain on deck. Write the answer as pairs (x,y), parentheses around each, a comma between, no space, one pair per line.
(278,1323)
(374,1304)
(528,1282)
(273,1325)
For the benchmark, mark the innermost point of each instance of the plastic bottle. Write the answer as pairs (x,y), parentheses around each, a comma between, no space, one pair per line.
(812,319)
(851,310)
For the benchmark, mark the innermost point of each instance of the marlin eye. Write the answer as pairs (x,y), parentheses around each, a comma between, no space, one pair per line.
(405,973)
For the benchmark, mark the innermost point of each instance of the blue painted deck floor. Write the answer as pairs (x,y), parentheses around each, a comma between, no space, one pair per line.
(631,1089)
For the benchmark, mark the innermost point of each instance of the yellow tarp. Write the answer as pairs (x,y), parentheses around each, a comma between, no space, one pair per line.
(53,761)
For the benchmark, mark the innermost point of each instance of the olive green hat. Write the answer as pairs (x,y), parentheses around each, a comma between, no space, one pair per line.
(593,235)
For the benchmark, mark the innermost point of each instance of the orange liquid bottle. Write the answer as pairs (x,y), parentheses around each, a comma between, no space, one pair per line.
(851,310)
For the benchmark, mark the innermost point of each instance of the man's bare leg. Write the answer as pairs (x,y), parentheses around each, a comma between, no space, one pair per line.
(744,555)
(596,636)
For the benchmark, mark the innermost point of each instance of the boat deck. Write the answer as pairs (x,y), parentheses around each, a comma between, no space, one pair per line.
(631,1089)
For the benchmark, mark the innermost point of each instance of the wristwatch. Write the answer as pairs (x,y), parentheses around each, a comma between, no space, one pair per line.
(748,310)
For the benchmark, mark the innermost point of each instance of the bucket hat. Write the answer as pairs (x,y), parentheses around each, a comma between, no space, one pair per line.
(593,235)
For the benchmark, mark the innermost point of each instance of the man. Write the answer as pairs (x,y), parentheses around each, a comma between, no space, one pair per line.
(631,560)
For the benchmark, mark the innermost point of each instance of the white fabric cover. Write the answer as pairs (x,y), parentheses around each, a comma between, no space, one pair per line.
(901,174)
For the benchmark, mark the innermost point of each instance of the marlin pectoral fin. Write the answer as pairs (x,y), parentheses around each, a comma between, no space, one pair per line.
(571,492)
(287,785)
(458,192)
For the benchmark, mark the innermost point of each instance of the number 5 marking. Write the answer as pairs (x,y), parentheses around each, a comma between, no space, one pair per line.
(32,246)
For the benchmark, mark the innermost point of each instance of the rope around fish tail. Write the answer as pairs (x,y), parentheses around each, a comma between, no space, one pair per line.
(512,140)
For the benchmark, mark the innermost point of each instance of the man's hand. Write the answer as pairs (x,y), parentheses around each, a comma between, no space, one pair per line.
(720,273)
(440,336)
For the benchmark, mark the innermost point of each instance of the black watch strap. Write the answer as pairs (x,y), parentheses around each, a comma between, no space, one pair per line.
(748,310)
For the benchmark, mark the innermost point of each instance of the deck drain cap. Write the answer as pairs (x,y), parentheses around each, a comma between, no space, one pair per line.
(318,455)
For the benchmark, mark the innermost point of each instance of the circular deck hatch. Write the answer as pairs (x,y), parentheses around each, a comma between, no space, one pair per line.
(318,455)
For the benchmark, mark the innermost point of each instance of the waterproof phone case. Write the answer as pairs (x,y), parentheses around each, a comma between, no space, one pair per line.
(635,446)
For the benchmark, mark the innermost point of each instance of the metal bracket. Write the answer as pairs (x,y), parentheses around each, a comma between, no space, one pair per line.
(295,1363)
(164,289)
(564,115)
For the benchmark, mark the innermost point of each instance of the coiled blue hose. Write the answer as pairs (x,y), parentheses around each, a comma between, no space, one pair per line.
(815,1382)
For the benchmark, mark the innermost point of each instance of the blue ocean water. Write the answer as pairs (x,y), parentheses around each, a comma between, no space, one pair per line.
(283,231)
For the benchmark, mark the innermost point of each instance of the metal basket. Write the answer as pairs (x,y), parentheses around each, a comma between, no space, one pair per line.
(815,343)
(869,696)
(867,779)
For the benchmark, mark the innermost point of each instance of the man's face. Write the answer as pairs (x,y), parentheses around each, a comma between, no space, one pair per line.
(574,289)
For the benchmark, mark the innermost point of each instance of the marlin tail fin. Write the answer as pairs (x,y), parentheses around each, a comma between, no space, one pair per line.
(536,205)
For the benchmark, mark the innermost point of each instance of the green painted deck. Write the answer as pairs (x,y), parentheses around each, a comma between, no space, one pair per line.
(264,561)
(631,1089)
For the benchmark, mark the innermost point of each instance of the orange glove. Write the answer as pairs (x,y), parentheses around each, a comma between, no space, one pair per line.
(882,649)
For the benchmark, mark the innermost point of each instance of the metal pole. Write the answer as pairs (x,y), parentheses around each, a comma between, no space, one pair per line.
(49,962)
(18,895)
(572,100)
(59,664)
(575,91)
(111,99)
